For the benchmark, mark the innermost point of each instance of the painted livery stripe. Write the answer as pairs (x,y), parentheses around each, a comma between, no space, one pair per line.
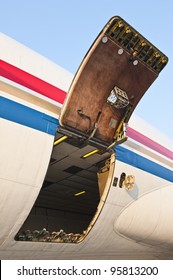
(137,136)
(15,112)
(26,116)
(30,81)
(138,161)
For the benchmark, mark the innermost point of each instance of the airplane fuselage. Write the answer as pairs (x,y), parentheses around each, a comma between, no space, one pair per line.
(124,207)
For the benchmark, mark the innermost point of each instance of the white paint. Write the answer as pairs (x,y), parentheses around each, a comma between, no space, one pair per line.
(26,59)
(24,158)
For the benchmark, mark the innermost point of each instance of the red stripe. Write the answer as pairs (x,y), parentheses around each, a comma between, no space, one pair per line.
(148,142)
(28,80)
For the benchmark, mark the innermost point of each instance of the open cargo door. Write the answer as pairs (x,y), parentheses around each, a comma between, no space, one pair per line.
(114,75)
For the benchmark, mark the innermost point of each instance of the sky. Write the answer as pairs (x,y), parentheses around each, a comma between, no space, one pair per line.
(63,31)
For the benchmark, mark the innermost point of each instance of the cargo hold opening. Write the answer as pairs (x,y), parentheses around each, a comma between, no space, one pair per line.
(69,201)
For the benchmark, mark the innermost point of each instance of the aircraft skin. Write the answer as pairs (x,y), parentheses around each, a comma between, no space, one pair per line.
(132,224)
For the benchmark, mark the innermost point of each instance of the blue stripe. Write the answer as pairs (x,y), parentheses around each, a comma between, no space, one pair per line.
(24,115)
(129,157)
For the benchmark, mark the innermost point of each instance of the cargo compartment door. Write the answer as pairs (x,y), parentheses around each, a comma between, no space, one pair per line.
(114,75)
